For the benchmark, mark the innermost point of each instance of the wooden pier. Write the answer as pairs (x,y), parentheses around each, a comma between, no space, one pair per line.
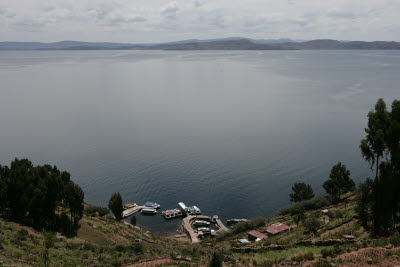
(194,237)
(131,211)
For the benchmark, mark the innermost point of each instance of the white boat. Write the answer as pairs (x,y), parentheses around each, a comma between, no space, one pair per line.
(148,211)
(196,210)
(203,229)
(153,205)
(201,223)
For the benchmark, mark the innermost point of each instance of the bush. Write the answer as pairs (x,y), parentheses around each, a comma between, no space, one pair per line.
(299,207)
(335,214)
(137,247)
(249,225)
(22,234)
(327,253)
(119,248)
(88,246)
(322,263)
(91,211)
(311,225)
(216,259)
(395,240)
(303,256)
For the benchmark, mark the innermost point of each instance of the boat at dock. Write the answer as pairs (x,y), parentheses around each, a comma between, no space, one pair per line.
(129,206)
(148,211)
(201,223)
(203,229)
(169,214)
(153,205)
(214,218)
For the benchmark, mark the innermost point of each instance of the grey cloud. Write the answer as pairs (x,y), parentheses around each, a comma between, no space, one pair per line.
(121,20)
(341,14)
(170,11)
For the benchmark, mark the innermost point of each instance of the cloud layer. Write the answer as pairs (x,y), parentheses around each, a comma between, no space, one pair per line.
(165,20)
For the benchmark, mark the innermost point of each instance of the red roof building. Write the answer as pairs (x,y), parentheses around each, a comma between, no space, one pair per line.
(277,228)
(254,235)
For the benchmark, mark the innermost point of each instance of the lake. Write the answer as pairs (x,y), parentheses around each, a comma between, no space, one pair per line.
(227,131)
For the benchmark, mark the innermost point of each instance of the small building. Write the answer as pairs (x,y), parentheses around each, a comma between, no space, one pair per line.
(277,228)
(244,241)
(325,211)
(254,235)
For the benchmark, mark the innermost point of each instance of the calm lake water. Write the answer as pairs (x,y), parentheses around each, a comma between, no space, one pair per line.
(228,131)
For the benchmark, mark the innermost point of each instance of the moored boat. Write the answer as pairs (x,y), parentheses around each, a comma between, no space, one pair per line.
(129,206)
(148,211)
(201,223)
(153,205)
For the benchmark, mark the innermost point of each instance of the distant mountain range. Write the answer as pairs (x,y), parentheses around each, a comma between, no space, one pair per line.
(233,43)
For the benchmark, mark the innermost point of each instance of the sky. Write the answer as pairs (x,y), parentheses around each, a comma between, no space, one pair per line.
(149,21)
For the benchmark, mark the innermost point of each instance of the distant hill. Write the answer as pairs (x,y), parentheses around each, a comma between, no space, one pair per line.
(233,43)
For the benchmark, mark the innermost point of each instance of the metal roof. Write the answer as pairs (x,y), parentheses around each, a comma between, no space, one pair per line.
(277,228)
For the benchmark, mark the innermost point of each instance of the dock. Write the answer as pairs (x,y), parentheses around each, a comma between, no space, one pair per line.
(131,211)
(187,226)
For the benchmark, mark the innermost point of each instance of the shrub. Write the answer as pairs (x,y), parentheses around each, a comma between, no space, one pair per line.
(311,225)
(22,234)
(327,253)
(216,259)
(299,207)
(322,263)
(91,211)
(245,226)
(395,240)
(303,256)
(119,248)
(88,246)
(137,247)
(335,214)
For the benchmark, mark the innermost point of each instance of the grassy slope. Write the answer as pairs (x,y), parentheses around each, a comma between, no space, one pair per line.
(105,242)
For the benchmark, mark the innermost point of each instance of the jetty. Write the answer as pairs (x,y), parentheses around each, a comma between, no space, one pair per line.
(189,220)
(131,211)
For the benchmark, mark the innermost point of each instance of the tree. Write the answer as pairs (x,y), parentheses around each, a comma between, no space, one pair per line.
(216,260)
(31,194)
(379,201)
(301,192)
(74,200)
(339,182)
(373,146)
(47,244)
(115,205)
(311,225)
(364,198)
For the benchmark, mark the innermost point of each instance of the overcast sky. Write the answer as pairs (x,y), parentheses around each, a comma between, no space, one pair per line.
(141,21)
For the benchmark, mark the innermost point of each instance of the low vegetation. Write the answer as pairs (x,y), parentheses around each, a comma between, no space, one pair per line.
(343,228)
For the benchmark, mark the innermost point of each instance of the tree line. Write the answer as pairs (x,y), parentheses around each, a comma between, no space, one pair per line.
(40,196)
(378,198)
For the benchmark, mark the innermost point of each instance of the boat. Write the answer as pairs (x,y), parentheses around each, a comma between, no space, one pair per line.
(179,212)
(148,211)
(153,205)
(166,214)
(215,218)
(203,229)
(201,223)
(129,206)
(196,210)
(175,213)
